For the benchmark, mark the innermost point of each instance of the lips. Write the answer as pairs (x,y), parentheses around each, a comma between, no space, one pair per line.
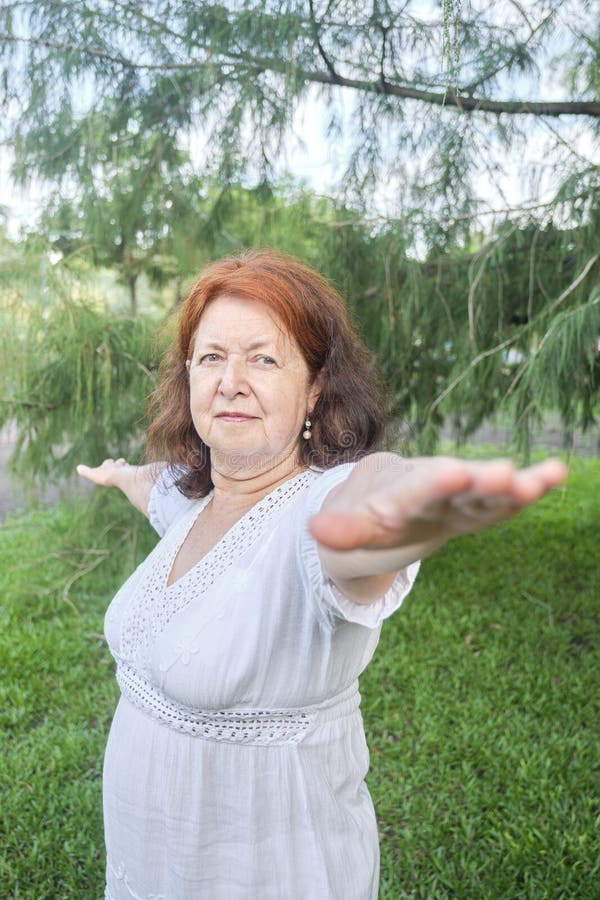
(235,417)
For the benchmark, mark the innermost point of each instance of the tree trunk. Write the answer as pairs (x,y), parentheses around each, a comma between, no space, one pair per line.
(133,295)
(178,296)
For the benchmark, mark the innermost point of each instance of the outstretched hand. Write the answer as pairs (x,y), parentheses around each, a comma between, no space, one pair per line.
(106,474)
(390,502)
(135,481)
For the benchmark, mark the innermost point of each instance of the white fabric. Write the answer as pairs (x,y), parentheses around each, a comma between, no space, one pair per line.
(166,503)
(236,759)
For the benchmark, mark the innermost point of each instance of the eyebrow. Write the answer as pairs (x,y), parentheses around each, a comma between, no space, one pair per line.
(216,345)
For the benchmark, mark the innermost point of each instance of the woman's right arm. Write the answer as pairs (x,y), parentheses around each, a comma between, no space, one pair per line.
(136,482)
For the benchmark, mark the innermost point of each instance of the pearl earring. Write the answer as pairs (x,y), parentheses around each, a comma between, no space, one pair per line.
(307,433)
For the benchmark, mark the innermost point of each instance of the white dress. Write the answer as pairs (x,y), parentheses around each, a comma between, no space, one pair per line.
(236,759)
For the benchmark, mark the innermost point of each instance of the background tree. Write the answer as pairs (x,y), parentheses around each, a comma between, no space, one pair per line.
(458,336)
(74,374)
(472,301)
(126,208)
(426,88)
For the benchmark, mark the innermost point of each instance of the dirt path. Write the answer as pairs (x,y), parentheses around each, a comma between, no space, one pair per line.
(550,438)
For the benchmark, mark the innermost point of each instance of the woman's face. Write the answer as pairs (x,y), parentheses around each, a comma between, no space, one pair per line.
(250,388)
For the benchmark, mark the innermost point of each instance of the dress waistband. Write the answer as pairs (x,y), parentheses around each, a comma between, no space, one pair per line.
(238,726)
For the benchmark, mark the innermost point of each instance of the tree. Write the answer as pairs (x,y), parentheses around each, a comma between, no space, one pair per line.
(126,210)
(73,384)
(430,86)
(75,375)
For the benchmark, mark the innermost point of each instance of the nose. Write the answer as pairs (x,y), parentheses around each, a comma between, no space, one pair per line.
(233,378)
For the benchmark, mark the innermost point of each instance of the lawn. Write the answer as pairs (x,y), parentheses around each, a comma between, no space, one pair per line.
(481,705)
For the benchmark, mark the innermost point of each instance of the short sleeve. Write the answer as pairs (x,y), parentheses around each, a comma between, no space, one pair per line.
(333,603)
(166,502)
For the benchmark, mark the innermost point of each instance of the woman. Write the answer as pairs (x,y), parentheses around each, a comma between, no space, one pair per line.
(236,760)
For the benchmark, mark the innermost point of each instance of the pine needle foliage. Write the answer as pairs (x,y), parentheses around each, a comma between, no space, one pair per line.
(507,326)
(470,310)
(76,389)
(511,327)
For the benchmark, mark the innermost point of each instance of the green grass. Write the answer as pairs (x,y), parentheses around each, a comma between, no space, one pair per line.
(57,693)
(480,705)
(481,708)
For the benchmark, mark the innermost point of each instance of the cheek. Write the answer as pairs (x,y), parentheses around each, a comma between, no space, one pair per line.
(290,407)
(202,383)
(200,397)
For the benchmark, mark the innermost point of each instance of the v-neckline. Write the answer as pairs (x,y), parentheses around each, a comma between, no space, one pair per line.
(194,514)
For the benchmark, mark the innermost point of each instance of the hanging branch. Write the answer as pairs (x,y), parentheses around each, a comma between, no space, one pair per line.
(451,44)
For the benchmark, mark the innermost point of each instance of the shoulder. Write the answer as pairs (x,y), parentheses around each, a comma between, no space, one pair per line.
(166,502)
(330,604)
(324,481)
(375,465)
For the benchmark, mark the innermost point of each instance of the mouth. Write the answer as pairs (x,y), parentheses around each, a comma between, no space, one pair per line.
(235,417)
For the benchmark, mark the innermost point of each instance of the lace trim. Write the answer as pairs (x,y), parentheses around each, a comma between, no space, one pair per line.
(253,726)
(154,604)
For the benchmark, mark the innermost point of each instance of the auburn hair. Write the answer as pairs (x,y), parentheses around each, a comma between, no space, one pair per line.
(349,416)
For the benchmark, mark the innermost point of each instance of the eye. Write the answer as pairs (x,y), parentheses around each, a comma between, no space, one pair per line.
(267,360)
(209,358)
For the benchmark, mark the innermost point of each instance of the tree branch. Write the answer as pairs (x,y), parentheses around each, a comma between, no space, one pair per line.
(466,104)
(574,284)
(448,99)
(472,364)
(548,312)
(384,34)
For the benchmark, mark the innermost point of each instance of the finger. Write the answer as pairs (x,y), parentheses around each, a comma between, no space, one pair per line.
(422,492)
(498,494)
(97,474)
(86,472)
(553,472)
(531,484)
(499,482)
(466,515)
(490,479)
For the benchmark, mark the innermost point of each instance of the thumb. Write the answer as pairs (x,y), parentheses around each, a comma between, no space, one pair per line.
(89,472)
(340,531)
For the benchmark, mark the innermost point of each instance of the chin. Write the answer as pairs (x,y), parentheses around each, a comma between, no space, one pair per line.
(254,457)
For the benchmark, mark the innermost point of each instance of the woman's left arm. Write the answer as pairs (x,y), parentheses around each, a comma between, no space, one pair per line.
(393,511)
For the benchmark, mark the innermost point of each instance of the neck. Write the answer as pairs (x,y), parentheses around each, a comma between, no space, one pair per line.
(241,482)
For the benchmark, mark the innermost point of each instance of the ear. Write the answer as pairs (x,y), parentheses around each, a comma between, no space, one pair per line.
(315,390)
